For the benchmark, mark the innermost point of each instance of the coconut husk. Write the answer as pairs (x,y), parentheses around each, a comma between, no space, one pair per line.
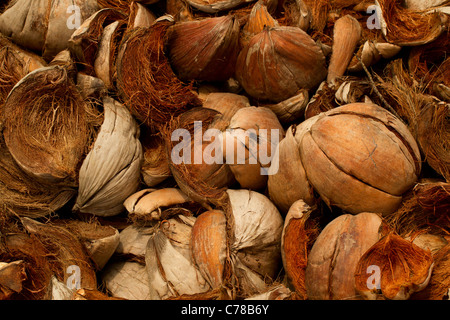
(24,196)
(46,125)
(226,103)
(397,23)
(404,268)
(258,19)
(322,101)
(15,64)
(27,248)
(291,109)
(249,144)
(169,261)
(140,16)
(12,276)
(252,248)
(297,14)
(346,36)
(104,63)
(216,5)
(371,52)
(266,67)
(111,170)
(299,234)
(63,251)
(155,166)
(437,288)
(335,254)
(423,208)
(204,49)
(100,241)
(126,280)
(43,26)
(155,96)
(199,180)
(86,40)
(125,6)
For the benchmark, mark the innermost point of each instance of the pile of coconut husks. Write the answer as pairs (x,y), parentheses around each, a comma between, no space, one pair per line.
(225,149)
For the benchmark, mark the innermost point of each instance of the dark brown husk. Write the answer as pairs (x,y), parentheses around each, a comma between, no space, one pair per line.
(157,95)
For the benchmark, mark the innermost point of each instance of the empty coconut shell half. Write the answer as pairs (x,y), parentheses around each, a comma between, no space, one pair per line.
(393,267)
(47,126)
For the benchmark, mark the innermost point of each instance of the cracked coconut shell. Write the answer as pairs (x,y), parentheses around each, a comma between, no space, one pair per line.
(335,254)
(358,157)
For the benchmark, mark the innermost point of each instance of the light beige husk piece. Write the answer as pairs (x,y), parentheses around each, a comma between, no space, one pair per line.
(111,170)
(42,25)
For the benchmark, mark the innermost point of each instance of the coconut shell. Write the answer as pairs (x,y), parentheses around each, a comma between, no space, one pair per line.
(335,254)
(206,49)
(365,173)
(54,125)
(111,170)
(404,268)
(278,62)
(43,26)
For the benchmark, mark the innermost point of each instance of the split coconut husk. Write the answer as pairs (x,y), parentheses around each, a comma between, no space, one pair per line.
(15,64)
(322,100)
(249,144)
(26,197)
(27,248)
(297,14)
(331,265)
(425,207)
(47,126)
(397,22)
(346,36)
(104,63)
(277,292)
(169,260)
(196,162)
(291,109)
(44,26)
(100,241)
(140,16)
(403,268)
(155,96)
(146,204)
(278,62)
(85,42)
(437,287)
(155,166)
(204,49)
(371,52)
(251,245)
(12,275)
(125,6)
(216,5)
(300,231)
(111,170)
(370,142)
(258,19)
